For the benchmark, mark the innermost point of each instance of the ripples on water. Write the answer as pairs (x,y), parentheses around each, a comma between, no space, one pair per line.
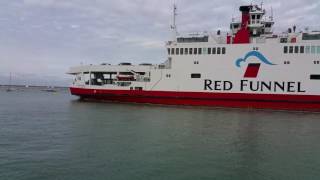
(54,136)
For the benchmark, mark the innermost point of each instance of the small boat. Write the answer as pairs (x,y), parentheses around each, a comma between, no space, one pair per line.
(10,88)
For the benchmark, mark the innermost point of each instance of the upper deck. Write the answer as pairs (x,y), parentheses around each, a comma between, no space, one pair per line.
(253,28)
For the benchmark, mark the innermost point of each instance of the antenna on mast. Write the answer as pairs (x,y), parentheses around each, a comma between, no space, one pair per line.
(174,26)
(271,17)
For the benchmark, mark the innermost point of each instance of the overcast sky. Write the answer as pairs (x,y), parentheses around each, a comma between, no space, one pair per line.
(41,39)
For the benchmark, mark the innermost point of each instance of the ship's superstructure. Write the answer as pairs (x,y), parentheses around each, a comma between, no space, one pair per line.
(250,66)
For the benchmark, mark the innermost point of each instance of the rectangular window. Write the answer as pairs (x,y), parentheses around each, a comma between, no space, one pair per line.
(190,51)
(318,49)
(291,49)
(195,51)
(308,49)
(223,50)
(177,51)
(218,50)
(283,40)
(205,50)
(181,51)
(301,49)
(313,49)
(285,49)
(213,50)
(195,75)
(172,51)
(186,51)
(199,50)
(209,50)
(315,77)
(296,49)
(169,51)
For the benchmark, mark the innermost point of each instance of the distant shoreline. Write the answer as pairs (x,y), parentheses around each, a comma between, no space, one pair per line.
(30,86)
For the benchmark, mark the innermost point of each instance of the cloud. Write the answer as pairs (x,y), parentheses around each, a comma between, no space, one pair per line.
(48,36)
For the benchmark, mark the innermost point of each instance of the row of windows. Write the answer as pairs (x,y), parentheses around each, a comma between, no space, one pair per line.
(301,49)
(186,51)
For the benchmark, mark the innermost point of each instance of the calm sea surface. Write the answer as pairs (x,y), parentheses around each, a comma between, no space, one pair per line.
(53,136)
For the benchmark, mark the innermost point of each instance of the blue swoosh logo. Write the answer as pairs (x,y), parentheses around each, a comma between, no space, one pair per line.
(253,54)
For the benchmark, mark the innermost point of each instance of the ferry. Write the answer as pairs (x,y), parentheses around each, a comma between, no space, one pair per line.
(248,67)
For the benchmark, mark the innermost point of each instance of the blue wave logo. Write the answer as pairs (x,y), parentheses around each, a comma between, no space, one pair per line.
(256,54)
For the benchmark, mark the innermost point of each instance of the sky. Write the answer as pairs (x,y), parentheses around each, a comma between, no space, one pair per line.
(41,39)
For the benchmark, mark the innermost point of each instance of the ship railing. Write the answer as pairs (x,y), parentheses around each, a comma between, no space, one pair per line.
(219,36)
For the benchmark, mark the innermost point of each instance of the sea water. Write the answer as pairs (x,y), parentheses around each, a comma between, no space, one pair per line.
(54,136)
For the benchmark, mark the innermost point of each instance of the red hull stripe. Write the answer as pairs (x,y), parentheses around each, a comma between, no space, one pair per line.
(238,100)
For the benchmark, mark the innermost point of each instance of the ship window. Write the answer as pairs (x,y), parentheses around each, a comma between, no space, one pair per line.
(186,51)
(138,88)
(283,40)
(181,51)
(172,51)
(307,49)
(301,49)
(285,49)
(205,50)
(318,49)
(195,75)
(213,50)
(199,50)
(315,77)
(209,50)
(218,50)
(169,51)
(306,36)
(258,16)
(313,49)
(291,49)
(190,51)
(296,49)
(195,51)
(223,50)
(268,25)
(177,51)
(253,16)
